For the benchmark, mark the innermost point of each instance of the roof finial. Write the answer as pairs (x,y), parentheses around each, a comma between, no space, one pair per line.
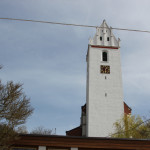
(104,20)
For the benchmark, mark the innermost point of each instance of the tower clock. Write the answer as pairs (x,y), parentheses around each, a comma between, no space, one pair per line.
(105,69)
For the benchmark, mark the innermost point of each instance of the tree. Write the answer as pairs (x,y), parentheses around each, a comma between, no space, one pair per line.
(22,130)
(41,130)
(14,110)
(6,134)
(131,126)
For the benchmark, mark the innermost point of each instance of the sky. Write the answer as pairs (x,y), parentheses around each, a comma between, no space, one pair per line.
(50,60)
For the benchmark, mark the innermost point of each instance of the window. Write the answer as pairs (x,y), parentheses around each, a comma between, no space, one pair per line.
(100,38)
(104,56)
(107,38)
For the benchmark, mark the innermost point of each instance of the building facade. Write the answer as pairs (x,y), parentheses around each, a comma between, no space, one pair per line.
(104,99)
(81,129)
(53,142)
(104,91)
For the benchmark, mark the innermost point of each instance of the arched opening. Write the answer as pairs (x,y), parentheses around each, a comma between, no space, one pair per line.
(104,56)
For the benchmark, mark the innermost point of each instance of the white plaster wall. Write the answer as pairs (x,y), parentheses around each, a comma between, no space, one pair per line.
(103,111)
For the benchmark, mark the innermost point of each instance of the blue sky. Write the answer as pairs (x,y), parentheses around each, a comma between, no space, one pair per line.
(50,60)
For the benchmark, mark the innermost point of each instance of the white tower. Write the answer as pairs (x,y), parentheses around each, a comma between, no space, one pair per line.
(104,97)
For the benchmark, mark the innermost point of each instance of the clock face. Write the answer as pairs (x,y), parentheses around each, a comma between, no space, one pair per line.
(105,69)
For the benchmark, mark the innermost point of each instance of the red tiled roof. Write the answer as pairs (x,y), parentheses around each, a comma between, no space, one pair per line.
(75,132)
(127,109)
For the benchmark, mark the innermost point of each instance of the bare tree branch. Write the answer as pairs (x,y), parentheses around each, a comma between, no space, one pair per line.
(14,110)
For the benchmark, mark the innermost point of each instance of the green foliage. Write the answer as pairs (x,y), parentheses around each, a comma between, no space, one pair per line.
(130,126)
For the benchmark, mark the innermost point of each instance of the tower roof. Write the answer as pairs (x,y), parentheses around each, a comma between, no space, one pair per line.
(104,25)
(104,36)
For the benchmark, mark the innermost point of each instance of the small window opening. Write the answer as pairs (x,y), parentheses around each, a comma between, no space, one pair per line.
(107,38)
(105,77)
(100,38)
(105,94)
(104,56)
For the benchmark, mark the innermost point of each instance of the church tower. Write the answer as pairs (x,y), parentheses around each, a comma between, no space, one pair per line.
(104,93)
